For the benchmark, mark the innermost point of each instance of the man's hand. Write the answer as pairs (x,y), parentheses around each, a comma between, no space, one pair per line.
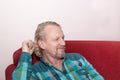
(28,46)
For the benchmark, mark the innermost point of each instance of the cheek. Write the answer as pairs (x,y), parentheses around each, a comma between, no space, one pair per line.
(52,46)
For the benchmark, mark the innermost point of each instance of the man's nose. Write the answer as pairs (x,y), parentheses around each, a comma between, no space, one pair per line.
(62,42)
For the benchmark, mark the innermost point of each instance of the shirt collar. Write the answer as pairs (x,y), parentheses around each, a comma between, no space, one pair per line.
(42,60)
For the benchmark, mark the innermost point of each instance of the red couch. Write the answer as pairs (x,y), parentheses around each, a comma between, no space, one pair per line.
(104,55)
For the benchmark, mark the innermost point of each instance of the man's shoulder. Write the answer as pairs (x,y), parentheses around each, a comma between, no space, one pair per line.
(73,56)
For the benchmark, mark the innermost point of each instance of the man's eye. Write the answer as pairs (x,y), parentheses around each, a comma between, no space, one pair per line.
(63,37)
(56,39)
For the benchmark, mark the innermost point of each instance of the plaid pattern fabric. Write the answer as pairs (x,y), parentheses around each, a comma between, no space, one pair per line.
(74,67)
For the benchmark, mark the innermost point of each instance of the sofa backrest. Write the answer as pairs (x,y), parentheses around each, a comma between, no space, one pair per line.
(103,55)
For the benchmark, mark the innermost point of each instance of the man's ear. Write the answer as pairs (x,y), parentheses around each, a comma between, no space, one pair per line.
(41,44)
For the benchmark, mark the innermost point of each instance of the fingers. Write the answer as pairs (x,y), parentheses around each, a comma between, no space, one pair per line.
(28,46)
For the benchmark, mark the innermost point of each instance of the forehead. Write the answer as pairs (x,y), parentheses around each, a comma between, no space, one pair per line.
(53,30)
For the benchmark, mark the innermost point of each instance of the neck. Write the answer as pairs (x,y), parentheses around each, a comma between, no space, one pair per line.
(53,61)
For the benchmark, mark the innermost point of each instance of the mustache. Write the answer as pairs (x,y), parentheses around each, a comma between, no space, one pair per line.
(62,47)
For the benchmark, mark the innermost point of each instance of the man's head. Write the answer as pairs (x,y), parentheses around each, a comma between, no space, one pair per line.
(49,40)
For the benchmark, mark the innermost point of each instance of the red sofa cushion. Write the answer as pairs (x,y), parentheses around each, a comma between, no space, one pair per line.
(103,55)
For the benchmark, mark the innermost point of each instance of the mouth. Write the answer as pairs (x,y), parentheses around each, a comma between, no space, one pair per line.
(63,48)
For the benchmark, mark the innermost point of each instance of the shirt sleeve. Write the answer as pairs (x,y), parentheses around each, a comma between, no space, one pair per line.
(92,73)
(23,69)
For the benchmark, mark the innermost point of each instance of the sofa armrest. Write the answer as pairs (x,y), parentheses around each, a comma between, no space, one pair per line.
(8,71)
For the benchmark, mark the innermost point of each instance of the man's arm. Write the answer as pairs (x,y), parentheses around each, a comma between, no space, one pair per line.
(93,74)
(23,69)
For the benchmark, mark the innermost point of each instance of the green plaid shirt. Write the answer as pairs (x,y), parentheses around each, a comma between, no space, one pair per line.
(74,67)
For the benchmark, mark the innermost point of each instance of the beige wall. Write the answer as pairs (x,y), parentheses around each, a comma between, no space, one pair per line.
(80,19)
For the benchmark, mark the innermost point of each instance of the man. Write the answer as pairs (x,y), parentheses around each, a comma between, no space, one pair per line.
(54,64)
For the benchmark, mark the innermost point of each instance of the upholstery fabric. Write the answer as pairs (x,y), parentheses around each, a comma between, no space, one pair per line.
(103,55)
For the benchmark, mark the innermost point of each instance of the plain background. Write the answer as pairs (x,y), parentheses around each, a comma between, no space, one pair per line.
(80,20)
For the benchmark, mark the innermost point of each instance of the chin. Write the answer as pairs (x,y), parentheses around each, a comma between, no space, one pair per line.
(60,56)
